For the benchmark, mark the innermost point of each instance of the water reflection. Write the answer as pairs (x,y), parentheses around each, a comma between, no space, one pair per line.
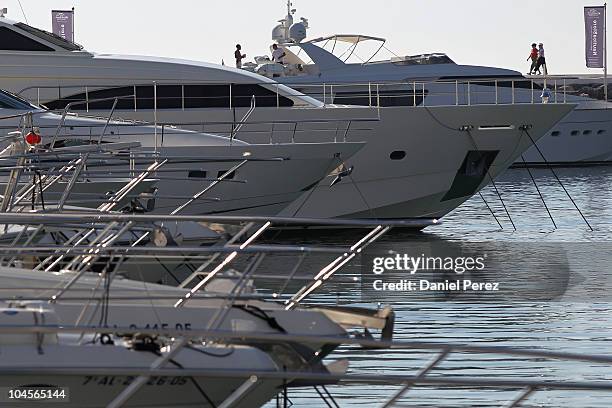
(567,270)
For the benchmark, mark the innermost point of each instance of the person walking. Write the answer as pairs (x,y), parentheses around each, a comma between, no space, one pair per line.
(239,56)
(533,56)
(541,59)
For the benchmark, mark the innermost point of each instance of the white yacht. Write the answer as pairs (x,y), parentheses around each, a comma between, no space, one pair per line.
(342,61)
(417,162)
(97,370)
(264,179)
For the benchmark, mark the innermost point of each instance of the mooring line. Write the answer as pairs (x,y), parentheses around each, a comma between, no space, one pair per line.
(526,130)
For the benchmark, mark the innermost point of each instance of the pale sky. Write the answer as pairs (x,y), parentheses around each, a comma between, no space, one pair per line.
(479,32)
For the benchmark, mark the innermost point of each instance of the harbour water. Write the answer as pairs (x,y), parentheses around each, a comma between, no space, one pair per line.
(577,319)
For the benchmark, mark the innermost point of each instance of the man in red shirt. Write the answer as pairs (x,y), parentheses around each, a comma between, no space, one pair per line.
(534,59)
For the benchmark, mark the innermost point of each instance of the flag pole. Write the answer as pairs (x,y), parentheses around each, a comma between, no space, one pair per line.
(73,35)
(605,49)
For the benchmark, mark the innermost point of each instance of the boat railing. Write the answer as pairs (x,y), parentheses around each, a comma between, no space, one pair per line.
(168,95)
(433,373)
(265,131)
(459,92)
(124,238)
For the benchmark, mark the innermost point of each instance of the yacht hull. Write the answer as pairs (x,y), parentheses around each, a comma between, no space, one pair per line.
(424,176)
(583,137)
(92,376)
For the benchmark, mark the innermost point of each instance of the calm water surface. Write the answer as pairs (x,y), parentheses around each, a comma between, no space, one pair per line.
(578,321)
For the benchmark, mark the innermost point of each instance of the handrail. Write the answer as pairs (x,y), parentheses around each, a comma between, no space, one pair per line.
(328,88)
(66,217)
(236,129)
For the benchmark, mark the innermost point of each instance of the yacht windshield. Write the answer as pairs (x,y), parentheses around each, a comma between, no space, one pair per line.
(50,37)
(423,59)
(10,101)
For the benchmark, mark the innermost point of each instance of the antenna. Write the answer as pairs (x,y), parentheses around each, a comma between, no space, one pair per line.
(23,12)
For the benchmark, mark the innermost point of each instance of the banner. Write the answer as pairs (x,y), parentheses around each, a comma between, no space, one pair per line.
(62,22)
(595,29)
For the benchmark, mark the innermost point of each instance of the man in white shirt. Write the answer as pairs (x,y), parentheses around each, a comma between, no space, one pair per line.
(541,59)
(277,54)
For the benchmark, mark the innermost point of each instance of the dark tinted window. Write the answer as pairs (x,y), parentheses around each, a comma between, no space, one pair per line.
(424,59)
(207,96)
(243,93)
(124,93)
(384,98)
(12,41)
(170,97)
(470,175)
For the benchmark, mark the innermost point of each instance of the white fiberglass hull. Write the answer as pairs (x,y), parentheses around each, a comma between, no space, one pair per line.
(274,176)
(142,305)
(583,137)
(425,181)
(94,375)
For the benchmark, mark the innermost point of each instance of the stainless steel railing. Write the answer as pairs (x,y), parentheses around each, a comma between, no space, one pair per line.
(147,96)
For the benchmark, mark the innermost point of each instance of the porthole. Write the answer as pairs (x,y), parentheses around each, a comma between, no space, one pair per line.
(601,131)
(397,155)
(555,133)
(586,132)
(574,133)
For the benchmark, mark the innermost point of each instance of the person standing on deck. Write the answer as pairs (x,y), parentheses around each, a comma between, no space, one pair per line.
(541,59)
(277,54)
(239,56)
(533,56)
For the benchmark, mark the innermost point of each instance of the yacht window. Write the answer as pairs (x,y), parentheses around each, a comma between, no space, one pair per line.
(574,133)
(50,37)
(586,132)
(382,97)
(206,96)
(555,133)
(470,175)
(171,97)
(242,95)
(125,95)
(13,41)
(503,82)
(423,59)
(218,96)
(601,131)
